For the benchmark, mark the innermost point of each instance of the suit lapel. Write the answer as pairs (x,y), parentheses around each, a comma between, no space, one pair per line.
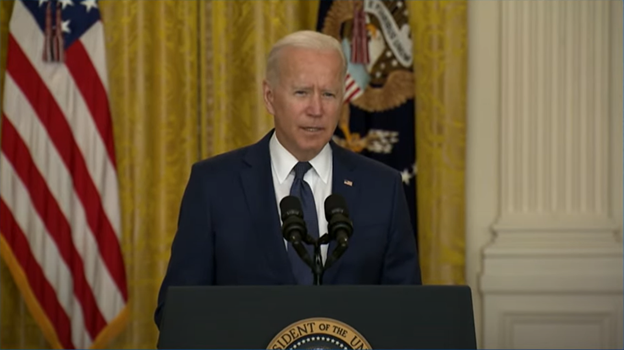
(345,184)
(257,182)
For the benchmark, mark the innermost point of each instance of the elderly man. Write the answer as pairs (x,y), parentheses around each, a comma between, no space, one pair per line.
(229,230)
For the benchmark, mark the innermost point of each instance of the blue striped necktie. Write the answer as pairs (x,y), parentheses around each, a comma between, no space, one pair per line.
(302,190)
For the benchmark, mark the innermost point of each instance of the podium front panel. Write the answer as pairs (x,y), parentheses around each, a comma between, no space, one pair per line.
(251,317)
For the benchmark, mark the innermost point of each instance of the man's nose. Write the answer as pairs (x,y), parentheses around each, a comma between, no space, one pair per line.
(315,106)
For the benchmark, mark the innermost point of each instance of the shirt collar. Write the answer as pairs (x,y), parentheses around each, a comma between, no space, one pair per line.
(283,161)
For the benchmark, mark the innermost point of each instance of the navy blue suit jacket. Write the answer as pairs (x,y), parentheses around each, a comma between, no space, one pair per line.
(229,230)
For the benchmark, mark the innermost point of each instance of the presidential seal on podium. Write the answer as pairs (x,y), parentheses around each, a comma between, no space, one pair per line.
(318,333)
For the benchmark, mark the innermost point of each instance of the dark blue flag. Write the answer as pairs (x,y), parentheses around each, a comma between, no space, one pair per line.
(378,115)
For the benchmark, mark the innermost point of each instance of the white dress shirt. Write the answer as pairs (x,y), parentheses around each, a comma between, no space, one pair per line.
(319,177)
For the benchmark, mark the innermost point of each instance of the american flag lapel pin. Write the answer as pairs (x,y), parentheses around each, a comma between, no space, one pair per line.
(348,182)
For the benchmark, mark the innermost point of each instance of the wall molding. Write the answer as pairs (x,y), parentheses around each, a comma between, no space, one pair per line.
(537,320)
(555,258)
(604,320)
(555,107)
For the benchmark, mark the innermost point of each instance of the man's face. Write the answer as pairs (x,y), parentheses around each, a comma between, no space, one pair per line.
(305,99)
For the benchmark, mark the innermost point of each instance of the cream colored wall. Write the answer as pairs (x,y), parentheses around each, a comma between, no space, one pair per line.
(544,278)
(482,176)
(617,113)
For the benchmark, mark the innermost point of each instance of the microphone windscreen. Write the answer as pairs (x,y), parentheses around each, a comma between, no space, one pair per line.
(290,205)
(335,204)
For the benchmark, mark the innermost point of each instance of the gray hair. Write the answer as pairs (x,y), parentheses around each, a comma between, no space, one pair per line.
(306,39)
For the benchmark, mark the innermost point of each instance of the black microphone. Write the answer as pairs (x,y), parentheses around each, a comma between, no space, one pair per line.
(339,225)
(294,228)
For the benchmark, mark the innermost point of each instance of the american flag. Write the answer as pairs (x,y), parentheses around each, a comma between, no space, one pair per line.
(59,201)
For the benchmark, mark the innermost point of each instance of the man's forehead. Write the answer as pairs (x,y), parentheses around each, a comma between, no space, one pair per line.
(303,62)
(307,77)
(301,67)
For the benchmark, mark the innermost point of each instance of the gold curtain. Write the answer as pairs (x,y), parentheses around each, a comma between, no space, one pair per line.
(237,38)
(439,31)
(184,80)
(153,65)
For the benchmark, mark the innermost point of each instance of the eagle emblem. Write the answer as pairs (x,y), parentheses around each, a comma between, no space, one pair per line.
(376,39)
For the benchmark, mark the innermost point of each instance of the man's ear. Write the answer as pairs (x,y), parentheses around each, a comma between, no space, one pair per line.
(268,96)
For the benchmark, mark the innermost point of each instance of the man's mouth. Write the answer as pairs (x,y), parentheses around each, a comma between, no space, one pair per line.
(312,129)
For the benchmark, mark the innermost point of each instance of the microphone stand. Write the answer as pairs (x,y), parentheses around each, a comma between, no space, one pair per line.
(317,264)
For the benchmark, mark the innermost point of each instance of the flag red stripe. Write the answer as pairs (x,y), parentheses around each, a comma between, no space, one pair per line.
(39,285)
(51,116)
(55,221)
(353,94)
(88,81)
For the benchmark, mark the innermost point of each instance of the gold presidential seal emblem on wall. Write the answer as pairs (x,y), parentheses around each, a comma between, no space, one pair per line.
(318,333)
(376,39)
